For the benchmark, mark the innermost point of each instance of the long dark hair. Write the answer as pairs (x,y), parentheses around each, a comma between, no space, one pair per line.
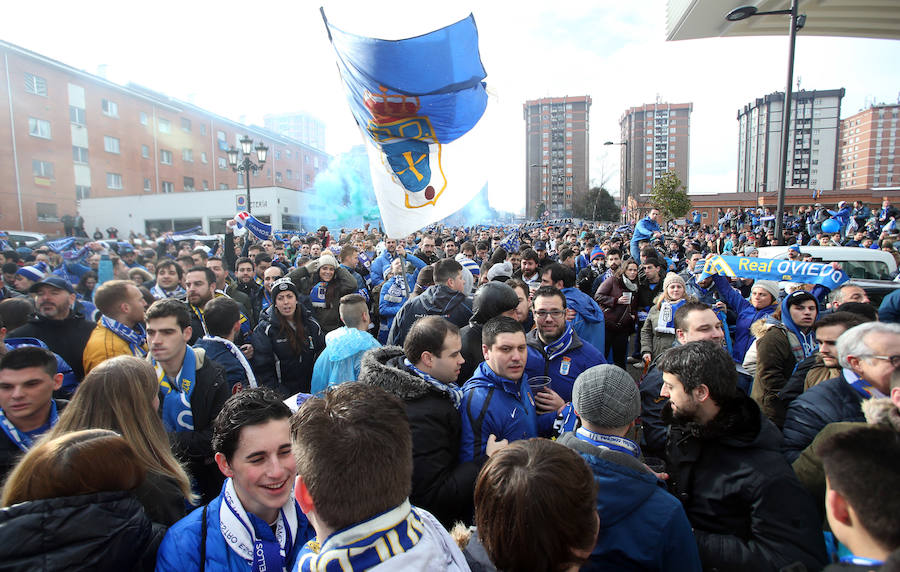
(296,336)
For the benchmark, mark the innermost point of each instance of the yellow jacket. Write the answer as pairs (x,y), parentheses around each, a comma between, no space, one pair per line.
(102,345)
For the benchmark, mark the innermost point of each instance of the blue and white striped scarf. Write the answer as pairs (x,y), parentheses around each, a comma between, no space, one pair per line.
(136,337)
(561,345)
(453,391)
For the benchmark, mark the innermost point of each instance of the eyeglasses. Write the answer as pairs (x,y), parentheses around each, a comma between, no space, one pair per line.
(895,360)
(541,314)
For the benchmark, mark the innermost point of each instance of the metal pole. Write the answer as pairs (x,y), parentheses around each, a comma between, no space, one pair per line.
(785,126)
(247,178)
(627,174)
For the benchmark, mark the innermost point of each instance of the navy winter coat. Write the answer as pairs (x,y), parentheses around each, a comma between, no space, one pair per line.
(828,402)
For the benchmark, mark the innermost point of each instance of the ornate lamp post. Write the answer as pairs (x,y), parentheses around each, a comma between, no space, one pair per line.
(245,165)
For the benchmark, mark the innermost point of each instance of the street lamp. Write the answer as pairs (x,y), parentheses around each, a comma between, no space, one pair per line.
(797,23)
(626,185)
(549,202)
(245,165)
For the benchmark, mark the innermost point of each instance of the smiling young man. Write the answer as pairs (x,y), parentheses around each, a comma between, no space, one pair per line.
(254,523)
(168,280)
(28,378)
(497,400)
(193,389)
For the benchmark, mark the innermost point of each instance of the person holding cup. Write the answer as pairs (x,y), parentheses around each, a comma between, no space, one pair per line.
(555,350)
(617,299)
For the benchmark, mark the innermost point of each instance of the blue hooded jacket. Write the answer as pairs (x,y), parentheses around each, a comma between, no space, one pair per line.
(746,315)
(642,526)
(588,322)
(495,405)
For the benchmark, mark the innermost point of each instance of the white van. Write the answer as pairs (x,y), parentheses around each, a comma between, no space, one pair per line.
(859,263)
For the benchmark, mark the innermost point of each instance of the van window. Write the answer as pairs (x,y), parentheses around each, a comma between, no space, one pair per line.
(868,269)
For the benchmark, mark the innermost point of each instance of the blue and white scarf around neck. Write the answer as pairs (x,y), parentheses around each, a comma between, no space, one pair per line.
(560,345)
(611,442)
(666,323)
(453,391)
(238,354)
(22,440)
(160,294)
(364,545)
(861,386)
(177,414)
(136,337)
(252,539)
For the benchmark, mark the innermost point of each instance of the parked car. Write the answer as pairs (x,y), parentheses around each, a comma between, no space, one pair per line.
(29,239)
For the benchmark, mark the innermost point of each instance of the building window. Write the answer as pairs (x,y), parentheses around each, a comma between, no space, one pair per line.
(110,108)
(142,118)
(79,154)
(289,174)
(35,84)
(277,155)
(165,157)
(287,152)
(203,157)
(39,128)
(46,212)
(113,181)
(205,185)
(76,115)
(145,151)
(110,144)
(185,124)
(306,157)
(189,183)
(223,187)
(147,186)
(277,176)
(222,162)
(202,129)
(82,192)
(222,141)
(164,126)
(187,155)
(42,168)
(168,187)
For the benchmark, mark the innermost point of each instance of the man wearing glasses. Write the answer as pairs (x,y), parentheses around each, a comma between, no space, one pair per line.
(555,350)
(868,355)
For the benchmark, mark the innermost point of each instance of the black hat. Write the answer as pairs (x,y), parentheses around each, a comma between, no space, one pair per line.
(284,284)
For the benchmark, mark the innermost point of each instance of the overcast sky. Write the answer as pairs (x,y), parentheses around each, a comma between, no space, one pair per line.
(245,59)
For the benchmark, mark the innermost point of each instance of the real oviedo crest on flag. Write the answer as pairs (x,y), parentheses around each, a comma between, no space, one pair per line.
(418,103)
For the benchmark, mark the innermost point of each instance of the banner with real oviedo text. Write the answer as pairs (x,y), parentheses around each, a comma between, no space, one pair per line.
(774,269)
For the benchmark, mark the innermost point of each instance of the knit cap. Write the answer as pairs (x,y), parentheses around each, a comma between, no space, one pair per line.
(34,273)
(671,278)
(606,396)
(769,286)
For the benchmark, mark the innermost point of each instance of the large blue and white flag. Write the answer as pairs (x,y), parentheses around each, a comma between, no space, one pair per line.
(419,103)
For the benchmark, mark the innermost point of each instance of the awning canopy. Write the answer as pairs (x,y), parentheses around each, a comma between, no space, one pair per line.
(694,19)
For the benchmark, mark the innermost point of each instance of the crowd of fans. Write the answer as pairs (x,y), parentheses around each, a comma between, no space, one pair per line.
(553,396)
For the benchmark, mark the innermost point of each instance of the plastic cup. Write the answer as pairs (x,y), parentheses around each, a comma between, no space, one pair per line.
(538,382)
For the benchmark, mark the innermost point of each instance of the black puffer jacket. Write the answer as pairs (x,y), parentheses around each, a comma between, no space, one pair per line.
(831,401)
(440,484)
(491,300)
(275,363)
(437,300)
(97,532)
(748,510)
